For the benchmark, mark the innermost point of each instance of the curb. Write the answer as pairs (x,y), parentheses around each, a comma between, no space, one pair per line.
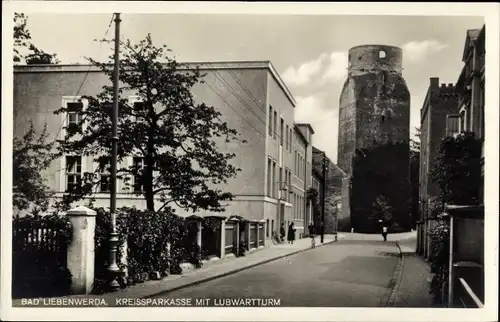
(231,272)
(396,279)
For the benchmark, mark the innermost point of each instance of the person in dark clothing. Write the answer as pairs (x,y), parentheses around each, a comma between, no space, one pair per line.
(282,232)
(311,230)
(291,233)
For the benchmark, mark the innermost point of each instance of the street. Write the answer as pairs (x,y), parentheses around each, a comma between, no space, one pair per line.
(349,273)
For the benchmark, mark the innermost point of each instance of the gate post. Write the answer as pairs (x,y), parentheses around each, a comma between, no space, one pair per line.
(81,250)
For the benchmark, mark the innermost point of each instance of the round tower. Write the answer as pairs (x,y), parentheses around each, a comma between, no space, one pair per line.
(368,58)
(374,132)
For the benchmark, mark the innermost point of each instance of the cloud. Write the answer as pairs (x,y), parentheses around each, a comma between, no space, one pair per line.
(311,109)
(304,73)
(337,67)
(416,51)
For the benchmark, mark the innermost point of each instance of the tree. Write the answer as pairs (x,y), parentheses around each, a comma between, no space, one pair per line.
(175,137)
(382,210)
(457,170)
(415,175)
(22,42)
(376,173)
(30,155)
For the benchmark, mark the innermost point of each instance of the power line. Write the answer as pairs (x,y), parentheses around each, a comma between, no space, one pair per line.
(81,85)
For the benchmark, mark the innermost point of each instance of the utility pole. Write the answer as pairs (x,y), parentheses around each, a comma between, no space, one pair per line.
(113,268)
(324,199)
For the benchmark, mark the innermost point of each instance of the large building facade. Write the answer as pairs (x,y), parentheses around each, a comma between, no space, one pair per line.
(440,101)
(374,112)
(252,99)
(331,176)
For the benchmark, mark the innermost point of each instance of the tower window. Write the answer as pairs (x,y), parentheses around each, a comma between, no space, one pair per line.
(383,118)
(381,54)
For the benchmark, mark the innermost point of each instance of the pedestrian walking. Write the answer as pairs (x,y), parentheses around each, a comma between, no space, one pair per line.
(384,232)
(282,232)
(291,233)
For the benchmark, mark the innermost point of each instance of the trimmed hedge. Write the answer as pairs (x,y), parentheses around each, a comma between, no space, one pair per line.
(157,243)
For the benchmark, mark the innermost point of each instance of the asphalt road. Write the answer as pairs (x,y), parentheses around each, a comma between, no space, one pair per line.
(344,274)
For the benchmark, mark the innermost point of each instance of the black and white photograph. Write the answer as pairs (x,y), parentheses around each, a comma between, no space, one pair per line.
(260,159)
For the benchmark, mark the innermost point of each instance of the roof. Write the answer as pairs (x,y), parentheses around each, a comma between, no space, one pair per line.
(307,125)
(62,68)
(470,38)
(299,132)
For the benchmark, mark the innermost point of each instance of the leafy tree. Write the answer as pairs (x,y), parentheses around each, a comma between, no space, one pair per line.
(375,173)
(415,142)
(176,137)
(22,42)
(30,155)
(415,175)
(457,170)
(382,210)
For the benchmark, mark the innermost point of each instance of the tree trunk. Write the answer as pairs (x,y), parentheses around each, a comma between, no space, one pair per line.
(148,183)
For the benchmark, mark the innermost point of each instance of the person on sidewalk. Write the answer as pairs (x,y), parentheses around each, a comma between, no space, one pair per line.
(282,232)
(291,233)
(384,232)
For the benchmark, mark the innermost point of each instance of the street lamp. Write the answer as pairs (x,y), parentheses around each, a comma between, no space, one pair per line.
(113,269)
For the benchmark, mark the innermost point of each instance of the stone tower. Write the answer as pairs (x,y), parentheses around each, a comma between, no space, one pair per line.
(374,114)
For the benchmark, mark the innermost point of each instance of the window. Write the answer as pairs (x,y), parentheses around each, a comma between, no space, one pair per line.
(270,120)
(462,122)
(274,124)
(381,54)
(291,139)
(274,180)
(269,177)
(73,172)
(104,169)
(287,143)
(74,112)
(280,185)
(139,165)
(282,134)
(295,158)
(289,183)
(267,227)
(272,225)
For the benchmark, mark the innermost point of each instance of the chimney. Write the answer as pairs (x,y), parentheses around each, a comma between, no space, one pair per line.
(434,82)
(450,85)
(443,85)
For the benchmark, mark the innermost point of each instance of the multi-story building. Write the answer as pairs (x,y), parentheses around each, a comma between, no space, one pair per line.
(439,102)
(302,176)
(331,195)
(253,100)
(469,115)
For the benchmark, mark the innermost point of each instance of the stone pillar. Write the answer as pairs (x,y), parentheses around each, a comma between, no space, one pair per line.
(237,229)
(198,233)
(222,238)
(264,232)
(257,245)
(247,237)
(123,260)
(81,250)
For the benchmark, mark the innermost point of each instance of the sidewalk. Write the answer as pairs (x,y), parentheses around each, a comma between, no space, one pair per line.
(414,285)
(209,271)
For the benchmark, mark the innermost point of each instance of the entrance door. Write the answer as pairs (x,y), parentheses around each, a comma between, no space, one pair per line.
(282,214)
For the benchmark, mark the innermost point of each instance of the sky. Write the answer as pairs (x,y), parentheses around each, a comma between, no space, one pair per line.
(309,52)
